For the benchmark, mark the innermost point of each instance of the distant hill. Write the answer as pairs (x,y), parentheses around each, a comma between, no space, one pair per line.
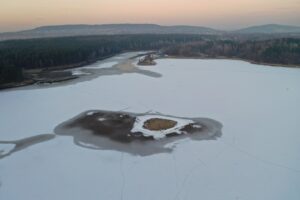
(106,29)
(269,29)
(119,29)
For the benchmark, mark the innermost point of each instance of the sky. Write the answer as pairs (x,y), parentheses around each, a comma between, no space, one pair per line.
(221,14)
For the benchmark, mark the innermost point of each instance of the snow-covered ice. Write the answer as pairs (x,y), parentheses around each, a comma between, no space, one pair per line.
(100,65)
(257,156)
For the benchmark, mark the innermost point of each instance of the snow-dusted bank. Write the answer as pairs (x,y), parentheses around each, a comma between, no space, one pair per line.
(257,156)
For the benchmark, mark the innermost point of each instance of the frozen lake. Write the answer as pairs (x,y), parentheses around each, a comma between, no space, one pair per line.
(257,156)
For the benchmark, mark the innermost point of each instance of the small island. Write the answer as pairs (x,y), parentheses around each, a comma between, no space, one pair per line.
(141,134)
(147,60)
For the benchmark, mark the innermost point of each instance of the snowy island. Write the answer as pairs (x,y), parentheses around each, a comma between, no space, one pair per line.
(142,134)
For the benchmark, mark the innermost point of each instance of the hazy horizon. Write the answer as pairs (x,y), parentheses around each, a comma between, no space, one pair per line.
(18,15)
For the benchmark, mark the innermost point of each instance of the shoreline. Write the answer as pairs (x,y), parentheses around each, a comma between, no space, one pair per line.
(233,58)
(45,76)
(38,71)
(31,81)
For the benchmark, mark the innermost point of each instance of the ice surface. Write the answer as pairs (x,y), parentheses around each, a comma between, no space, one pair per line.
(256,158)
(100,65)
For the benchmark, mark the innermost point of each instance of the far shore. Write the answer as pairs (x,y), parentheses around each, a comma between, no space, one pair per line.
(233,58)
(126,66)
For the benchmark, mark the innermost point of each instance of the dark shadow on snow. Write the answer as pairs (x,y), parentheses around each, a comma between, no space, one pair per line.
(24,143)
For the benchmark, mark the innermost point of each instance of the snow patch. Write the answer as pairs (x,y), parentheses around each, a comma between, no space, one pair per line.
(90,113)
(196,126)
(140,121)
(78,72)
(101,119)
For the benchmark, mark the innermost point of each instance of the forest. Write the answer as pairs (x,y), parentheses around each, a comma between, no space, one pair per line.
(19,55)
(284,51)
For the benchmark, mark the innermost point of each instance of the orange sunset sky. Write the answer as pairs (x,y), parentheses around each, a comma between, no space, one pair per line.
(221,14)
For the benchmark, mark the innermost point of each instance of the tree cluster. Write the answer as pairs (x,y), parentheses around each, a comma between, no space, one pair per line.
(275,51)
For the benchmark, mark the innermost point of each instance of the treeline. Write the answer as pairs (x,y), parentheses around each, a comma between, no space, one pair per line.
(275,51)
(17,55)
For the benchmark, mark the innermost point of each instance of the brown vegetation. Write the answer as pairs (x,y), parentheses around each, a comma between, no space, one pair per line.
(157,124)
